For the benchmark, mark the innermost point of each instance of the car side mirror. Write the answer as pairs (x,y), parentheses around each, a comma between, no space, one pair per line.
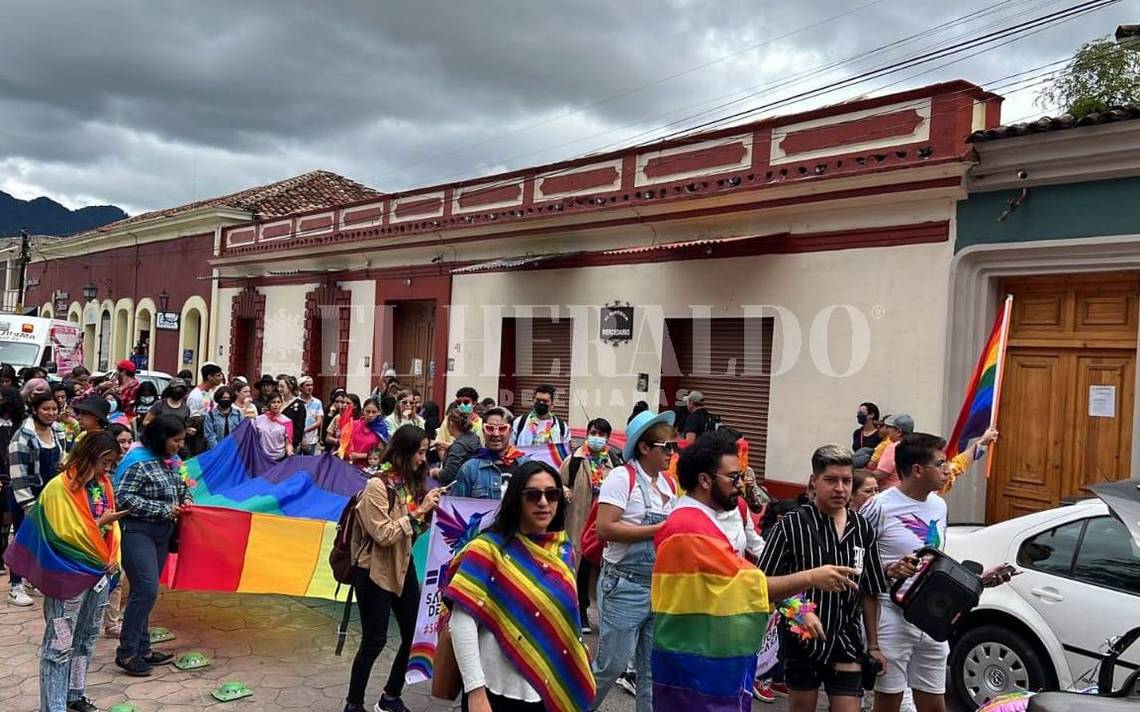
(51,367)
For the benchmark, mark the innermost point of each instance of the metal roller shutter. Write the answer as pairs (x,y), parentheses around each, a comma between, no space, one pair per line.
(731,365)
(550,350)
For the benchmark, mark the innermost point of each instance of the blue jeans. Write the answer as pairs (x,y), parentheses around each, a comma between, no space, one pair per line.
(144,549)
(625,632)
(71,629)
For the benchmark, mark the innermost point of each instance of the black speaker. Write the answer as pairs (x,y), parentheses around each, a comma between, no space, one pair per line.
(937,594)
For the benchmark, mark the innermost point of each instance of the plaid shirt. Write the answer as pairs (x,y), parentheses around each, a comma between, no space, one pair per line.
(24,463)
(149,489)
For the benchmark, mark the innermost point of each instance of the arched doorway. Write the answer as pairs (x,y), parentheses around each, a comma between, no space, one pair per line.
(192,335)
(144,330)
(247,324)
(121,335)
(104,360)
(90,337)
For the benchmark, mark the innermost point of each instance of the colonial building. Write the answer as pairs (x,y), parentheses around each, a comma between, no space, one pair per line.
(788,268)
(1051,219)
(118,280)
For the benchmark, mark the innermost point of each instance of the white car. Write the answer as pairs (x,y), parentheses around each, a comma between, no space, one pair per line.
(1079,586)
(158,378)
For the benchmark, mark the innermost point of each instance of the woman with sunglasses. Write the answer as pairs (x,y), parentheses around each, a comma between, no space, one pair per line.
(482,477)
(633,502)
(405,413)
(392,510)
(514,610)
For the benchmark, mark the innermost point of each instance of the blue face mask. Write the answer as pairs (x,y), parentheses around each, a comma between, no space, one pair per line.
(596,443)
(466,408)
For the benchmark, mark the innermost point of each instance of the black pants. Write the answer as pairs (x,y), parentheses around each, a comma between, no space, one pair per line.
(585,569)
(375,604)
(145,547)
(506,704)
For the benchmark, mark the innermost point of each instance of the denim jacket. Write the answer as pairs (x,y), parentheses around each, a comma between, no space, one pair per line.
(214,423)
(480,479)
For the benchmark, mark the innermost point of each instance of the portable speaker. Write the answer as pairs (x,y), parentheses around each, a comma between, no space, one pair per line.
(937,594)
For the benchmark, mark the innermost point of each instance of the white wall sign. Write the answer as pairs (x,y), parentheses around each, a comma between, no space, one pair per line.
(166,320)
(1102,401)
(417,367)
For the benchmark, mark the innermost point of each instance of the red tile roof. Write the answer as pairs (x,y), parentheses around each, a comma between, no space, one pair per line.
(1048,124)
(304,193)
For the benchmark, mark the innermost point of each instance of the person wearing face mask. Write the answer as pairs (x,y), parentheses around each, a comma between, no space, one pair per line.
(867,434)
(462,442)
(467,402)
(485,475)
(173,402)
(145,398)
(405,413)
(540,425)
(222,420)
(583,474)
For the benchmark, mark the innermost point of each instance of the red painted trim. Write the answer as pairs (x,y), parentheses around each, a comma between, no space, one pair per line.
(276,231)
(351,217)
(241,237)
(689,161)
(315,223)
(418,207)
(573,182)
(780,489)
(870,128)
(490,196)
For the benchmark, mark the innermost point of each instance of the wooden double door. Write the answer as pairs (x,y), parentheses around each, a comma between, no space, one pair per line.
(1068,391)
(414,345)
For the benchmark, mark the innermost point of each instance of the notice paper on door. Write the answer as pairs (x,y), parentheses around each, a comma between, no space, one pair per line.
(1102,401)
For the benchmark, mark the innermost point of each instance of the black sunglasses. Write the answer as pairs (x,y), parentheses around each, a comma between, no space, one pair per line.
(734,476)
(670,448)
(532,494)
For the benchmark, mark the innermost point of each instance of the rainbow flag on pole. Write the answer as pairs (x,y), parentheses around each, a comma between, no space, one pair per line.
(980,409)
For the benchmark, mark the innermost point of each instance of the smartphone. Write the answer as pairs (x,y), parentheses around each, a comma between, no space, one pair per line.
(444,488)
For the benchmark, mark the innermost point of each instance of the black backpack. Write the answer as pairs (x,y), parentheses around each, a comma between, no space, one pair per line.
(341,557)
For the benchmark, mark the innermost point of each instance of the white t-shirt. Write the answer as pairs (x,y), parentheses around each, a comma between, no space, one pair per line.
(731,524)
(903,525)
(313,410)
(615,490)
(199,401)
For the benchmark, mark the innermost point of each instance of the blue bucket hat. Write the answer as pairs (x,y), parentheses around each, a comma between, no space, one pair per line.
(637,427)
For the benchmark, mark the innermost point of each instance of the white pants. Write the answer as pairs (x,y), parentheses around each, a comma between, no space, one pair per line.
(914,659)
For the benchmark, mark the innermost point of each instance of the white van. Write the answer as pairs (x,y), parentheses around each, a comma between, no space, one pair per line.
(53,344)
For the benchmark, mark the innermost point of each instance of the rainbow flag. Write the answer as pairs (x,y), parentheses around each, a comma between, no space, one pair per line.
(259,526)
(710,611)
(980,408)
(59,548)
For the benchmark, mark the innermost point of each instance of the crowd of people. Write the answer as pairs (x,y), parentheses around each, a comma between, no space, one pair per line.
(95,472)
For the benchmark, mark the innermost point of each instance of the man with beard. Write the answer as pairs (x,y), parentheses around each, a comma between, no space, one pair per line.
(711,605)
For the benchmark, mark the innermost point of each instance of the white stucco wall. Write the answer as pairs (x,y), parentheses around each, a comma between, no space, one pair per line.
(220,327)
(360,333)
(898,293)
(283,346)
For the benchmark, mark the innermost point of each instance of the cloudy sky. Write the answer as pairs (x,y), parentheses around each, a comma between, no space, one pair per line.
(149,104)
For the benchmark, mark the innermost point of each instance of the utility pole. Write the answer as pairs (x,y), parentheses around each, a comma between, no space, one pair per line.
(23,260)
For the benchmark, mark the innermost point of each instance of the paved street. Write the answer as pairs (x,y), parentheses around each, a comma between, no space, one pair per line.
(279,646)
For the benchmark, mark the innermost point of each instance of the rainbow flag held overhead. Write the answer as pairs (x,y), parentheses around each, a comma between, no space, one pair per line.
(710,614)
(980,408)
(259,526)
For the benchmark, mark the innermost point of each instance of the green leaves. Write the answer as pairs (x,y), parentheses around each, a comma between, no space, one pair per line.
(1101,75)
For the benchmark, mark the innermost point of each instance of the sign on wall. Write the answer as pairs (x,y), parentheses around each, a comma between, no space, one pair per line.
(187,356)
(617,323)
(166,320)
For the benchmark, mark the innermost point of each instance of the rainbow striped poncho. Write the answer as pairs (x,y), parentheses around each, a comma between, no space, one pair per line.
(59,547)
(523,591)
(710,611)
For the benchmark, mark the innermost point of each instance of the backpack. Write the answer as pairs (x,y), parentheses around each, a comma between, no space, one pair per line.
(341,557)
(592,543)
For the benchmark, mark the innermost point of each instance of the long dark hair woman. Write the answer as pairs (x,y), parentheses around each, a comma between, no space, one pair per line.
(518,577)
(392,510)
(149,486)
(76,521)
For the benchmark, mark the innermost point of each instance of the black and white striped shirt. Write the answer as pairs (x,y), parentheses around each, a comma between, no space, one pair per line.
(805,539)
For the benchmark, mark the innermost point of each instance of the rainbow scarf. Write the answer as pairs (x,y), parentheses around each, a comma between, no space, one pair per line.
(523,591)
(710,612)
(59,547)
(507,458)
(348,425)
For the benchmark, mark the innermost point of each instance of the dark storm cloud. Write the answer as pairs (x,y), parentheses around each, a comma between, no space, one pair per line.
(150,104)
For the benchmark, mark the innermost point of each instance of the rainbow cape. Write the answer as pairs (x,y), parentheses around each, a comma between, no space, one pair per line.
(59,548)
(710,611)
(979,410)
(259,526)
(523,591)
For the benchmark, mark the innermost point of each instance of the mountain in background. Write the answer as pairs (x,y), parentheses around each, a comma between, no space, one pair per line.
(44,216)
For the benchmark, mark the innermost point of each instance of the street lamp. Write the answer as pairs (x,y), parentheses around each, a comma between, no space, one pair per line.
(163,300)
(89,291)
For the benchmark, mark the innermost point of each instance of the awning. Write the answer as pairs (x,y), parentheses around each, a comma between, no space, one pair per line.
(688,244)
(509,263)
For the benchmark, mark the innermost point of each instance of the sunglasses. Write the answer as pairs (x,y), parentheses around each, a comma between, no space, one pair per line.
(496,429)
(734,476)
(532,495)
(406,402)
(670,448)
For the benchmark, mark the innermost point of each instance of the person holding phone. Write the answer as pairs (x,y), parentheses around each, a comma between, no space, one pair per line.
(73,521)
(392,510)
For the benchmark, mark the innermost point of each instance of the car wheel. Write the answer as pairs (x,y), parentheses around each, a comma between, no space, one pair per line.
(989,660)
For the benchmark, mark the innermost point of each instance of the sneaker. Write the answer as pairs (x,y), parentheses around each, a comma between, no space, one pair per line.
(135,667)
(628,682)
(390,704)
(780,689)
(31,590)
(762,690)
(82,705)
(157,658)
(353,707)
(17,596)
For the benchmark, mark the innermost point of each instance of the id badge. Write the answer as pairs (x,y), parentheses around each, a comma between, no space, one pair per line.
(102,584)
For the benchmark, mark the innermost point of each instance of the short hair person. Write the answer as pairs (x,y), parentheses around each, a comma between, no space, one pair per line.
(825,530)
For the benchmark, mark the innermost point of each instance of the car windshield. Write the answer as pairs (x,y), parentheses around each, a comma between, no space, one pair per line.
(17,353)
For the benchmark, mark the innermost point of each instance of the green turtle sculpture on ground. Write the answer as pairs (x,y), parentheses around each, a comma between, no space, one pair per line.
(230,691)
